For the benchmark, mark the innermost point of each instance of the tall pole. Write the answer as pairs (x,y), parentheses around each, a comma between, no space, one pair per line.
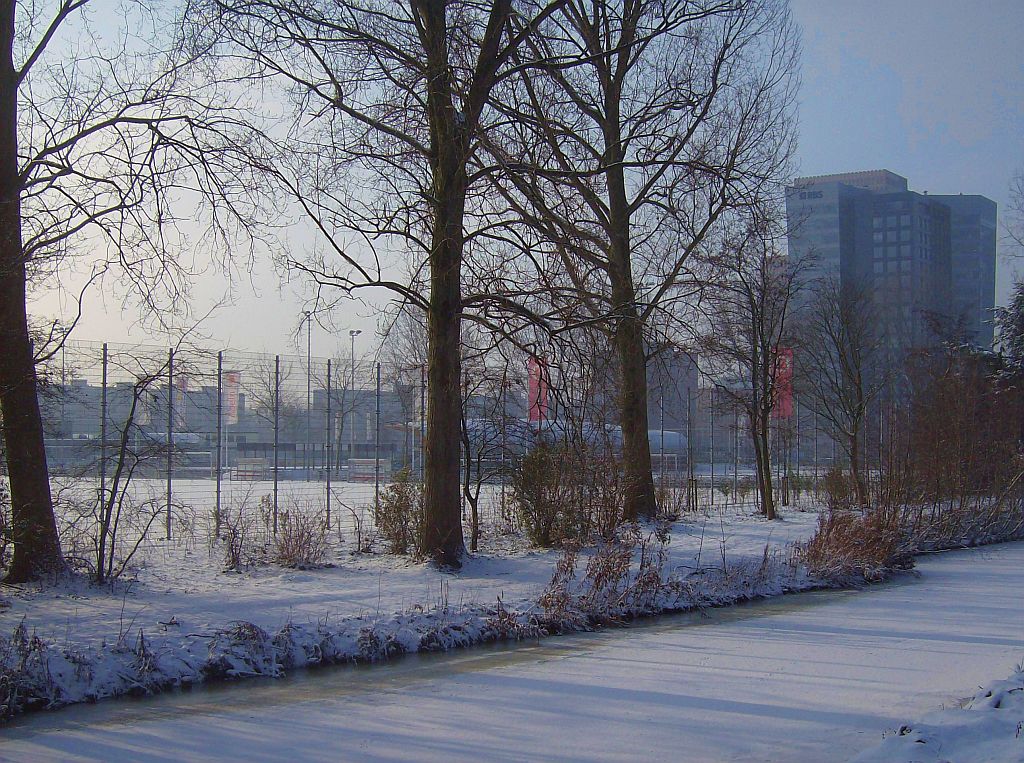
(307,462)
(796,410)
(815,456)
(504,434)
(376,446)
(220,435)
(691,488)
(662,454)
(328,438)
(711,438)
(103,433)
(736,456)
(352,428)
(423,419)
(277,429)
(170,438)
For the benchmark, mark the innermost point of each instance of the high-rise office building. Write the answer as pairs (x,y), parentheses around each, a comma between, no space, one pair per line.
(926,261)
(973,247)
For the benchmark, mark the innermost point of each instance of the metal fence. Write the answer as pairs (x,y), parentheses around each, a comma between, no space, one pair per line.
(205,426)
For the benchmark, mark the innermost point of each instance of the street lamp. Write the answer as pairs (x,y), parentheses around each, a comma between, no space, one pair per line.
(352,334)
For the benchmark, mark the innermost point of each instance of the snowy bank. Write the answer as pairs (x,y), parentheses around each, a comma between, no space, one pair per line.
(989,728)
(145,642)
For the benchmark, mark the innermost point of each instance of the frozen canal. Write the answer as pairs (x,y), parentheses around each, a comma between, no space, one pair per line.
(807,678)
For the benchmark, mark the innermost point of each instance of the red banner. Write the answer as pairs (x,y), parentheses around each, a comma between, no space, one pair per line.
(538,371)
(180,402)
(783,408)
(232,382)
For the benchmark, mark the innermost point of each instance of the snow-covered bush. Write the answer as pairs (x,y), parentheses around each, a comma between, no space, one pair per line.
(624,577)
(851,547)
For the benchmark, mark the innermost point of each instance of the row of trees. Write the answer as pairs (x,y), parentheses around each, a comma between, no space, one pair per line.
(532,169)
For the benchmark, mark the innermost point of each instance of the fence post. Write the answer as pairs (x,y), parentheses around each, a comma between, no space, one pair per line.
(170,434)
(815,456)
(661,455)
(376,447)
(423,420)
(691,480)
(103,433)
(796,411)
(328,436)
(504,436)
(220,435)
(736,457)
(277,418)
(711,437)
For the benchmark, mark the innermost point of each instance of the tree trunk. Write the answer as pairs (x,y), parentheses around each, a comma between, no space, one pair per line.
(443,540)
(640,498)
(762,456)
(34,530)
(859,488)
(442,506)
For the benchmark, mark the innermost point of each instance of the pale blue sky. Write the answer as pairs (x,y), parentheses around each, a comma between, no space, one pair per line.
(931,89)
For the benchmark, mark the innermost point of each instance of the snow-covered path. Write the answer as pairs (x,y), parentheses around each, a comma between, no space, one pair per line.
(807,678)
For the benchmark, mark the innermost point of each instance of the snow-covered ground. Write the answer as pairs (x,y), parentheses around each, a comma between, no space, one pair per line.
(989,728)
(812,677)
(184,579)
(181,602)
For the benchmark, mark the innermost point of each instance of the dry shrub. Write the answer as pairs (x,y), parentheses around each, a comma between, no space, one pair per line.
(542,490)
(245,535)
(398,514)
(566,495)
(744,487)
(850,546)
(623,578)
(671,501)
(840,494)
(301,541)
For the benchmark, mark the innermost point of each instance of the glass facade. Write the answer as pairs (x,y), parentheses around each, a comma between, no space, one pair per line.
(927,261)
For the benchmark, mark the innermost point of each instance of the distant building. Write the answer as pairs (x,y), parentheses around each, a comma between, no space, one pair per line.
(925,260)
(672,380)
(973,247)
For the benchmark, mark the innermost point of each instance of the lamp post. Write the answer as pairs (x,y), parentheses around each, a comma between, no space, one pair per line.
(352,334)
(308,317)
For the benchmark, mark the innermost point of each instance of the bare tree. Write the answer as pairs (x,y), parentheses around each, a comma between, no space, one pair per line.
(1015,224)
(655,120)
(747,344)
(840,365)
(391,102)
(97,144)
